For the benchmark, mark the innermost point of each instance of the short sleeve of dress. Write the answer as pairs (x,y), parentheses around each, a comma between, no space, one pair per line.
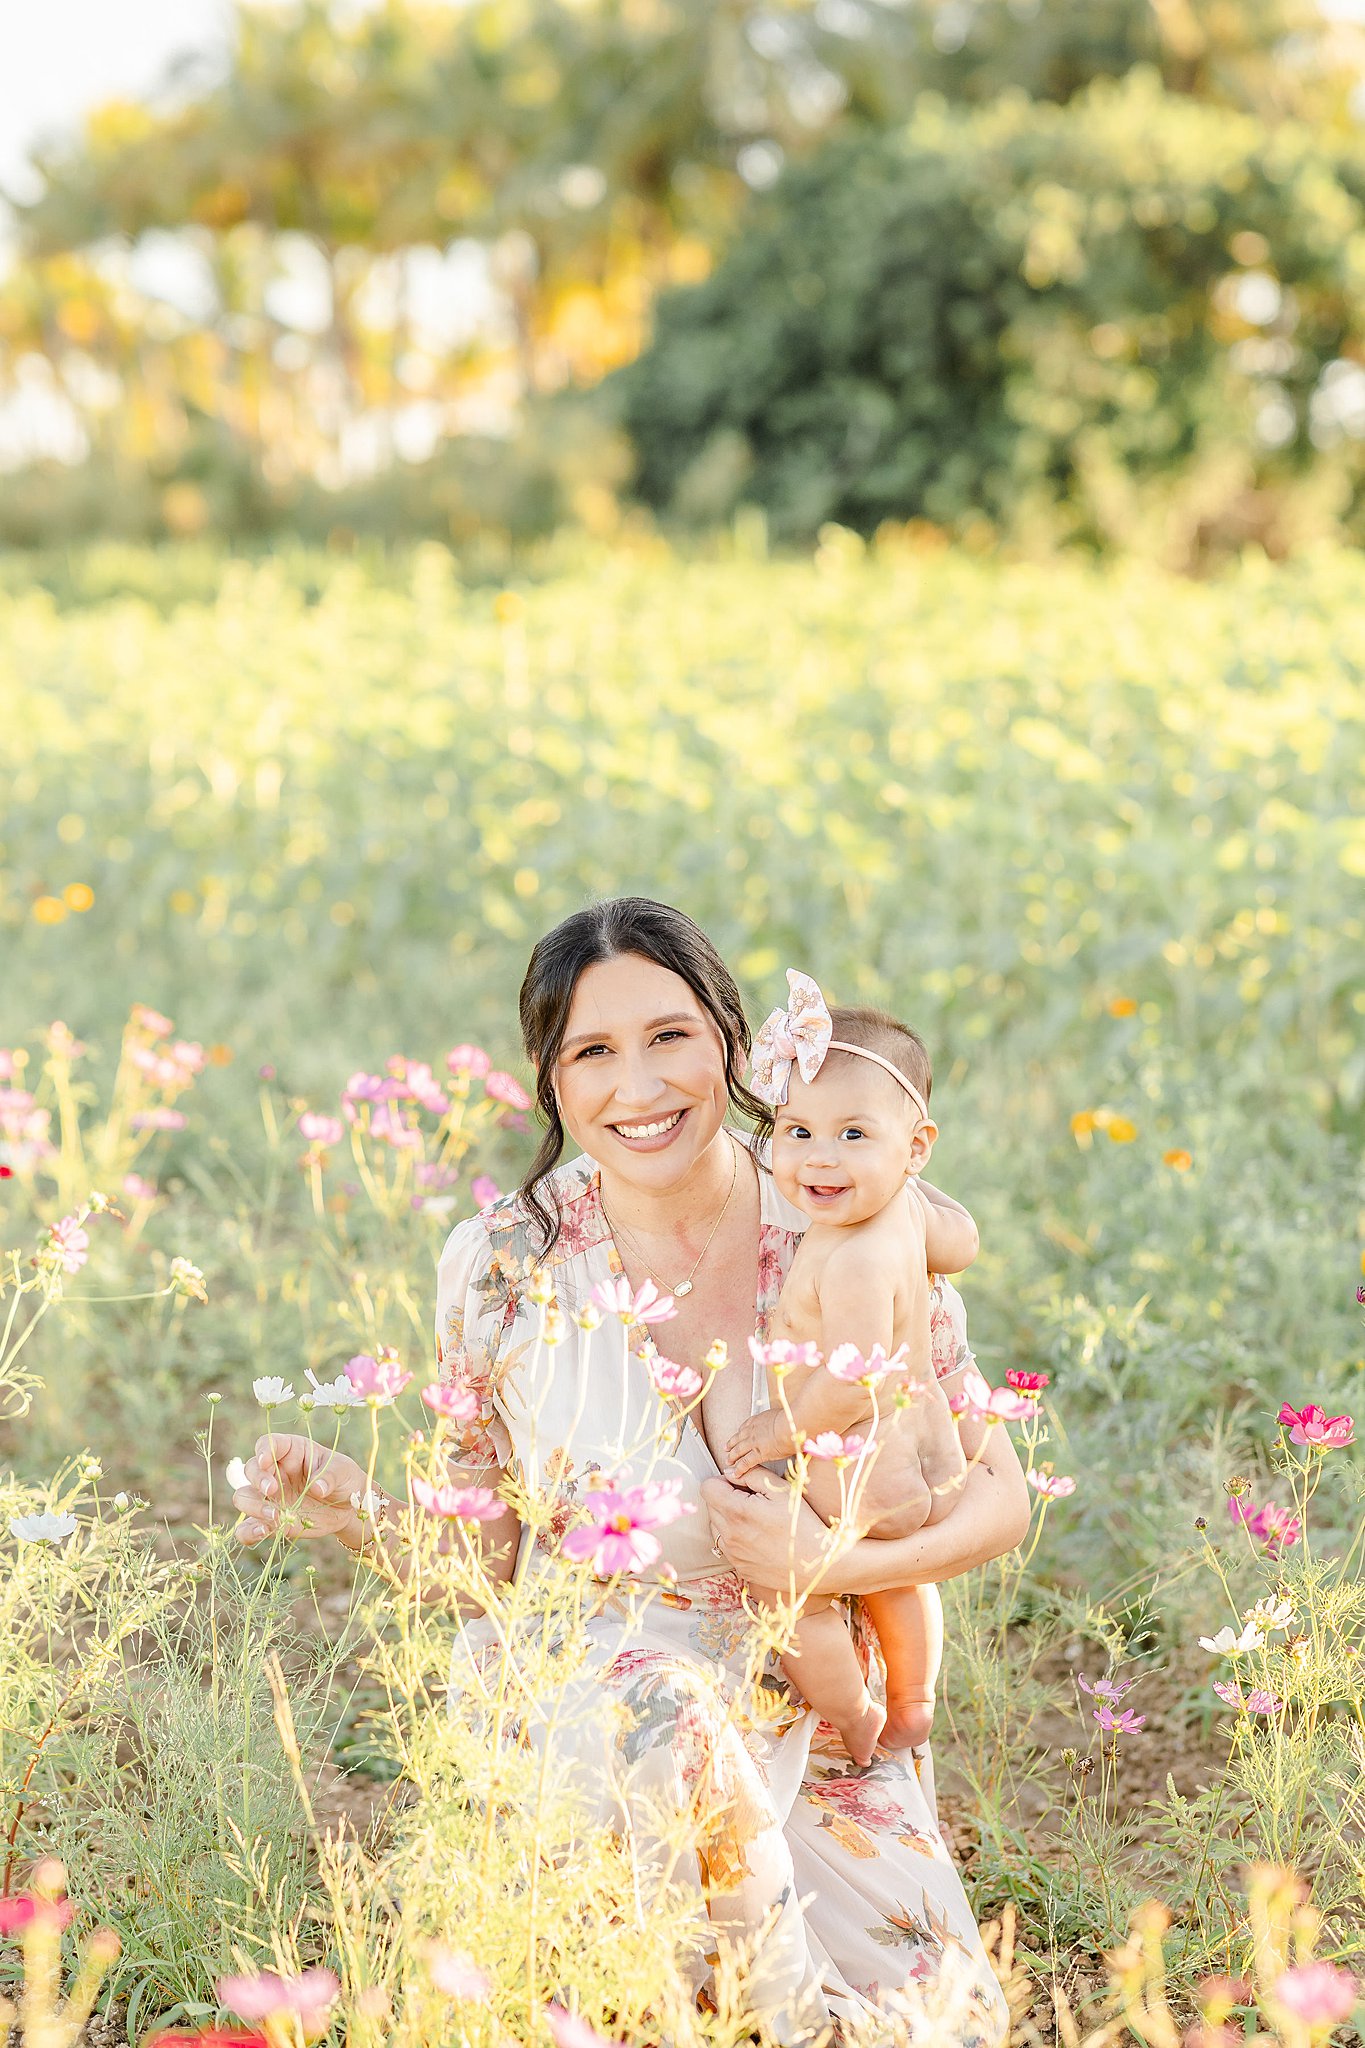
(949,1347)
(467,1338)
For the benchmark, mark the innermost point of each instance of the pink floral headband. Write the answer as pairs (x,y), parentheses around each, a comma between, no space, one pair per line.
(799,1037)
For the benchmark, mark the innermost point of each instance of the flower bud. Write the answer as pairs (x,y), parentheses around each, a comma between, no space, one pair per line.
(1237,1486)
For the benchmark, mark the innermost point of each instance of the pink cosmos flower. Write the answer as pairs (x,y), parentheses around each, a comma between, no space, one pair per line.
(505,1088)
(309,1998)
(137,1189)
(1027,1382)
(1126,1723)
(1278,1528)
(457,1974)
(1317,1994)
(1111,1689)
(363,1087)
(678,1381)
(189,1054)
(469,1059)
(6,1064)
(1052,1485)
(567,2030)
(431,1174)
(1311,1426)
(71,1243)
(617,1539)
(1257,1701)
(158,1119)
(995,1404)
(151,1021)
(781,1353)
(456,1404)
(829,1444)
(20,1912)
(320,1130)
(457,1503)
(646,1306)
(485,1190)
(379,1379)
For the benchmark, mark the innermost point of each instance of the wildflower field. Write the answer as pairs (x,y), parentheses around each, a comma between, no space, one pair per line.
(276,839)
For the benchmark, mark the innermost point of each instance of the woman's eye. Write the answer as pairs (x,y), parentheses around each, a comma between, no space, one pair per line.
(663,1035)
(586,1050)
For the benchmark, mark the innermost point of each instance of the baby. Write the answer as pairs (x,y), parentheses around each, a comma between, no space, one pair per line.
(851,1133)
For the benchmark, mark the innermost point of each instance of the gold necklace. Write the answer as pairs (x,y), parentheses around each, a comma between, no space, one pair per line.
(683,1286)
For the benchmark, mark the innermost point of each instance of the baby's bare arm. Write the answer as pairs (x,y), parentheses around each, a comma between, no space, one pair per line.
(952,1240)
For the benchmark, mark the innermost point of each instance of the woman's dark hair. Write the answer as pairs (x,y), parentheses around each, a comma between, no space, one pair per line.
(626,924)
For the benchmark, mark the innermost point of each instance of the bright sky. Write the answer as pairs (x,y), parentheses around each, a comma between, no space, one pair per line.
(62,57)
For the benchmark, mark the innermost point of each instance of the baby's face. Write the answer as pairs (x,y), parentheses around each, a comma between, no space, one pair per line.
(845,1143)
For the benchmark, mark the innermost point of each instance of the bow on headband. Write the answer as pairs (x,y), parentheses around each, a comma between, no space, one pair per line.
(797,1036)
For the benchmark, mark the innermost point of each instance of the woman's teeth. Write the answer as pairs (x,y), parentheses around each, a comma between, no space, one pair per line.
(650,1130)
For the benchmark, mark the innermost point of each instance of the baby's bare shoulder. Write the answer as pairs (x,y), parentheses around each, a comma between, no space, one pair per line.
(858,1256)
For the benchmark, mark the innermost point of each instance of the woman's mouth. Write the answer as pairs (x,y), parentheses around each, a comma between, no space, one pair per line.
(651,1134)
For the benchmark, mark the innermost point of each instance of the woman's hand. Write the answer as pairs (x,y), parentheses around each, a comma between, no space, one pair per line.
(297,1488)
(768,1534)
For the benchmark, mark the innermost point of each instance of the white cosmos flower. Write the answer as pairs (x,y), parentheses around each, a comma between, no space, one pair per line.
(1270,1614)
(1227,1643)
(46,1528)
(271,1393)
(236,1473)
(337,1393)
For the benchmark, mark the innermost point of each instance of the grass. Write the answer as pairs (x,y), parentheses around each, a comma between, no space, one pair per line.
(1096,833)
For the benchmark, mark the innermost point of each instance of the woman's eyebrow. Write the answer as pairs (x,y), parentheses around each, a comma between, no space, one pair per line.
(596,1037)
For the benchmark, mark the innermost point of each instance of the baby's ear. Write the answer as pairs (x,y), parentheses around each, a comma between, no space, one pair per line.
(921,1145)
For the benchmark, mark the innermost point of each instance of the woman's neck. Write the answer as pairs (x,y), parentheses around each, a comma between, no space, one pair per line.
(680,1211)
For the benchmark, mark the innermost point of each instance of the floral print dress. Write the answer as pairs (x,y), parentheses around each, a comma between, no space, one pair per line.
(837,1872)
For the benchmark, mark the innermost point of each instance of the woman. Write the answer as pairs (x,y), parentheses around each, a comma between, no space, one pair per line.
(637,1035)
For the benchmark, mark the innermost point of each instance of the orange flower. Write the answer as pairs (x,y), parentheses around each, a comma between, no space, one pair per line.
(1122,1006)
(78,896)
(1179,1160)
(1121,1130)
(49,910)
(1082,1124)
(220,1055)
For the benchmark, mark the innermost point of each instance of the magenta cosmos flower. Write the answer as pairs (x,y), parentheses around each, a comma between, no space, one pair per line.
(457,1503)
(1027,1382)
(485,1190)
(848,1363)
(18,1914)
(320,1130)
(618,1538)
(379,1379)
(829,1444)
(1311,1426)
(781,1353)
(646,1306)
(309,1998)
(1278,1528)
(679,1382)
(1317,1994)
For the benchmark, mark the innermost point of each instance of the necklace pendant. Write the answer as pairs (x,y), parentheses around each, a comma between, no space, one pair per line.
(683,1287)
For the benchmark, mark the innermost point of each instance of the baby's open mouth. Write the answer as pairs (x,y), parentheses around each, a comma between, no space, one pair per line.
(825,1194)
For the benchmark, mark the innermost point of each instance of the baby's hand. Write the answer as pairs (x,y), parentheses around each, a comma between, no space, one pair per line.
(764,1436)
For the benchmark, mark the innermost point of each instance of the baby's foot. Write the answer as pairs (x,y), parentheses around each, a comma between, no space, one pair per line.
(909,1718)
(861,1735)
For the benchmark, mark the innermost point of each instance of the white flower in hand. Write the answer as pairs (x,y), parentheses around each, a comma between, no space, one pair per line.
(272,1392)
(236,1473)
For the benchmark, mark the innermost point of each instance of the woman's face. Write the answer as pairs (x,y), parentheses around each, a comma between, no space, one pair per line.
(641,1073)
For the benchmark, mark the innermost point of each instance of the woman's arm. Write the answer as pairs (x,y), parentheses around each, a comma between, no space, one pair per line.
(773,1539)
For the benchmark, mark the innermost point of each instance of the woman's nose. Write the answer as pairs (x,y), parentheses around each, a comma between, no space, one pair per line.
(638,1085)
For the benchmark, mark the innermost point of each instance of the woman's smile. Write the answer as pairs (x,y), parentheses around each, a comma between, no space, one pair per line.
(652,1136)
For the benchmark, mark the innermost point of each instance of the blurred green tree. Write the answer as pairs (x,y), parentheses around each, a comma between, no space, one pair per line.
(1133,316)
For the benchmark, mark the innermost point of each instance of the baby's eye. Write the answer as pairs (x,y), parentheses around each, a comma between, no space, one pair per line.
(852,1131)
(796,1131)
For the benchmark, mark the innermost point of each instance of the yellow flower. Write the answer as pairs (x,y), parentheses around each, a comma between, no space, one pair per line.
(220,1055)
(507,605)
(1121,1131)
(1123,1006)
(1179,1160)
(1082,1124)
(49,910)
(78,896)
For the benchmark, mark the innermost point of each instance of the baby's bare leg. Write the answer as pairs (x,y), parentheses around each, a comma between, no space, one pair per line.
(909,1625)
(822,1661)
